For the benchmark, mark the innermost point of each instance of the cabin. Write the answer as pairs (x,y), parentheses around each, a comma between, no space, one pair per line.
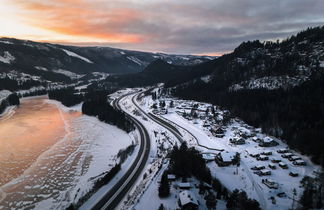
(272,166)
(276,160)
(217,131)
(225,158)
(287,155)
(270,183)
(293,173)
(256,139)
(237,141)
(260,167)
(266,153)
(264,172)
(294,158)
(283,150)
(184,185)
(268,142)
(171,177)
(254,155)
(299,163)
(262,157)
(208,157)
(283,165)
(206,124)
(187,200)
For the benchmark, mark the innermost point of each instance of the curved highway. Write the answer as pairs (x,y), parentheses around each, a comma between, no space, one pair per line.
(163,122)
(115,195)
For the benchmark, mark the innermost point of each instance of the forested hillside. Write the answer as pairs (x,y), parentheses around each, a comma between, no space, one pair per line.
(278,86)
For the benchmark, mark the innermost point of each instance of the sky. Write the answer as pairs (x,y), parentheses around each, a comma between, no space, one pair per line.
(201,27)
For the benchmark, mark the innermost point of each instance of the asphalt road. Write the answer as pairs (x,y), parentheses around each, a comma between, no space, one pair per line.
(115,195)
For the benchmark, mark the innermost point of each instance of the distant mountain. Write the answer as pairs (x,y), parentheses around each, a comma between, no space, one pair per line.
(62,63)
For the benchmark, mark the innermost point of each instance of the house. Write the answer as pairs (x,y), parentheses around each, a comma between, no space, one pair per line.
(184,185)
(272,166)
(266,153)
(187,200)
(293,173)
(171,177)
(206,124)
(254,155)
(264,172)
(283,150)
(276,160)
(262,157)
(217,131)
(237,141)
(268,142)
(225,158)
(208,156)
(299,163)
(256,139)
(294,158)
(287,155)
(283,165)
(270,183)
(260,167)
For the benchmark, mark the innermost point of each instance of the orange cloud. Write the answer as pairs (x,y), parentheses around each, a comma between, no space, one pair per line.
(83,19)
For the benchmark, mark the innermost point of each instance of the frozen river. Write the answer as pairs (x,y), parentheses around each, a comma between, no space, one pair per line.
(50,155)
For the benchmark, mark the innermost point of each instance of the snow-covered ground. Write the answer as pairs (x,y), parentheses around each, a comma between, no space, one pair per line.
(270,83)
(68,169)
(72,54)
(70,74)
(4,94)
(7,58)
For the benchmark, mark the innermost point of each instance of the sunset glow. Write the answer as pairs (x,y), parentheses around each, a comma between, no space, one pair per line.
(212,27)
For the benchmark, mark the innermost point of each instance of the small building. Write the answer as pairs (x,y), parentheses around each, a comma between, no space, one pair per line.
(264,172)
(276,160)
(256,139)
(283,150)
(299,163)
(208,156)
(283,165)
(268,142)
(293,173)
(171,177)
(266,153)
(225,158)
(262,157)
(206,124)
(270,183)
(272,166)
(217,131)
(259,167)
(254,155)
(187,200)
(184,185)
(287,155)
(237,141)
(294,158)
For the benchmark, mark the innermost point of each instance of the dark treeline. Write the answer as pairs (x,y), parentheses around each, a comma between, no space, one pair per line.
(313,195)
(66,96)
(96,104)
(239,200)
(186,162)
(13,85)
(295,115)
(11,100)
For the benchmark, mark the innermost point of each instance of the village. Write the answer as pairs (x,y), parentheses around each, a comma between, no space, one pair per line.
(262,165)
